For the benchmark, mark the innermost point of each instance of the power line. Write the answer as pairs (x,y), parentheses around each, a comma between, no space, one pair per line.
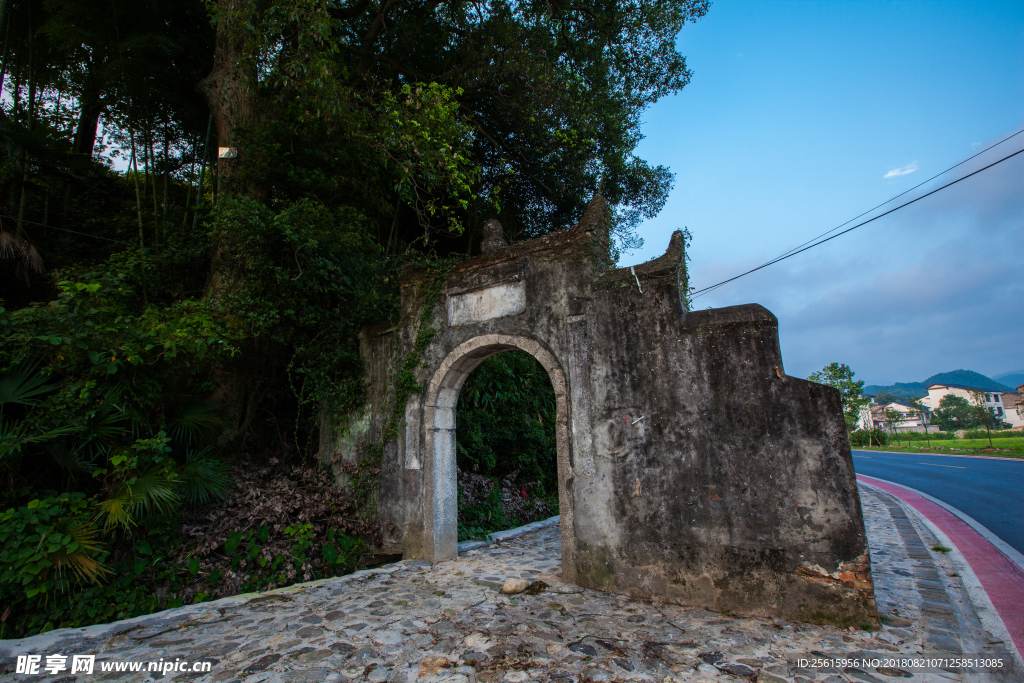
(924,182)
(787,253)
(805,248)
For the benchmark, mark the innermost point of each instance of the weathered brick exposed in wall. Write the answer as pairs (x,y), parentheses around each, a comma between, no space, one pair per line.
(692,469)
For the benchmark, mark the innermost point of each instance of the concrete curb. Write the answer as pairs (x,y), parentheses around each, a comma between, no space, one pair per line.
(499,536)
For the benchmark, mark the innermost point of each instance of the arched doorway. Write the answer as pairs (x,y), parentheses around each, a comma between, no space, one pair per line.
(440,503)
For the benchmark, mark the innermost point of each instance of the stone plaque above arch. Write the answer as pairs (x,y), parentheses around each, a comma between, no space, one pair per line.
(691,469)
(486,303)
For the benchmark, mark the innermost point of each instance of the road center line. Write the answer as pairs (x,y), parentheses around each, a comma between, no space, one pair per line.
(938,465)
(866,457)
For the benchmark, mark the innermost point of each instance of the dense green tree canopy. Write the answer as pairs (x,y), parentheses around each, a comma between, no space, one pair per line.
(840,376)
(165,309)
(506,421)
(954,413)
(547,103)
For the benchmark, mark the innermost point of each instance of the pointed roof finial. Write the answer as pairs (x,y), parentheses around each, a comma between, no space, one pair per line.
(597,220)
(597,215)
(493,238)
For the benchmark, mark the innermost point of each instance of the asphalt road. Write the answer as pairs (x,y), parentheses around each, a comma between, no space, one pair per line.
(991,491)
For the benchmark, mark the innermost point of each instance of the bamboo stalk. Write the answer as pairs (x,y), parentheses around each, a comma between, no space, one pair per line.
(138,196)
(152,159)
(31,117)
(145,169)
(188,193)
(202,173)
(7,35)
(167,170)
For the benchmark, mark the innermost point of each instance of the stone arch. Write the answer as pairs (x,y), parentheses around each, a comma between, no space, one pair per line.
(700,472)
(440,502)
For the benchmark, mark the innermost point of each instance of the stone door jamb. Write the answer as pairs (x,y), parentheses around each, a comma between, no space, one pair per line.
(440,499)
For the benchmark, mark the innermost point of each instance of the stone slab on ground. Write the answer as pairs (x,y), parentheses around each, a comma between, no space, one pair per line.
(448,623)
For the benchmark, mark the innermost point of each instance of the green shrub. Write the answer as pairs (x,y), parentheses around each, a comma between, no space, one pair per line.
(477,521)
(862,438)
(49,546)
(138,583)
(506,421)
(505,446)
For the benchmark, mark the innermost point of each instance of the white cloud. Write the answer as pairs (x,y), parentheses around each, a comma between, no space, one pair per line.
(896,172)
(930,288)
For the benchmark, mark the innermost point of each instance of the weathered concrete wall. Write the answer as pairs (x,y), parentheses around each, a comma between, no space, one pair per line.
(691,468)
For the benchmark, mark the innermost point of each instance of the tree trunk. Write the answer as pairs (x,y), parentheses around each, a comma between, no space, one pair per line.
(145,166)
(89,113)
(152,165)
(138,196)
(31,122)
(230,92)
(6,28)
(202,174)
(188,193)
(167,169)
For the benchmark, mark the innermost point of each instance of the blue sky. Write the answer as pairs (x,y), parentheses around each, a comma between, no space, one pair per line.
(800,116)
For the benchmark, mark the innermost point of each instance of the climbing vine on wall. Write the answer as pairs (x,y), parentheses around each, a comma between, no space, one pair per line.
(683,277)
(363,474)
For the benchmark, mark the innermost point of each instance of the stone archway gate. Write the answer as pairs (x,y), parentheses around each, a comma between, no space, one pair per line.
(691,468)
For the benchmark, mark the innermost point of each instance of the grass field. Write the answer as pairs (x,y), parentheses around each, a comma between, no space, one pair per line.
(1004,448)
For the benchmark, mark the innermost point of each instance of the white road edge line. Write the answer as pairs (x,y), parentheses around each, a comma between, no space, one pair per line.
(990,618)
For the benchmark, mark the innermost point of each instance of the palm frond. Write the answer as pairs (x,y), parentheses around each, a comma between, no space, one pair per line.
(68,458)
(78,556)
(10,244)
(105,425)
(116,510)
(204,477)
(32,258)
(195,420)
(154,490)
(22,384)
(150,492)
(138,421)
(14,436)
(14,246)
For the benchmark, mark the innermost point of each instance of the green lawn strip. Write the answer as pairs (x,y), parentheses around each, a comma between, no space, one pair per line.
(1010,444)
(1002,451)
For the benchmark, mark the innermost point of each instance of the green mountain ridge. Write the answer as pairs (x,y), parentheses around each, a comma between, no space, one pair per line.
(962,378)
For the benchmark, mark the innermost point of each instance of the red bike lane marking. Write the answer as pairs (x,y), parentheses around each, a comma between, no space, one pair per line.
(1002,580)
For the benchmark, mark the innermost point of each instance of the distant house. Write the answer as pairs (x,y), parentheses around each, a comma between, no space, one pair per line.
(872,416)
(1005,404)
(1013,405)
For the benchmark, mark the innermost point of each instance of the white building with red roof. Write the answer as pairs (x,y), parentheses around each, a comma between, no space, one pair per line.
(1003,403)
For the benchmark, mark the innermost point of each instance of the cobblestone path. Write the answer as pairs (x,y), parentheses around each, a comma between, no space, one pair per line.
(448,623)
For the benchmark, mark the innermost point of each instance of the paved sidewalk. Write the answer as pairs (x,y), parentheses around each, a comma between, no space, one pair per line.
(448,623)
